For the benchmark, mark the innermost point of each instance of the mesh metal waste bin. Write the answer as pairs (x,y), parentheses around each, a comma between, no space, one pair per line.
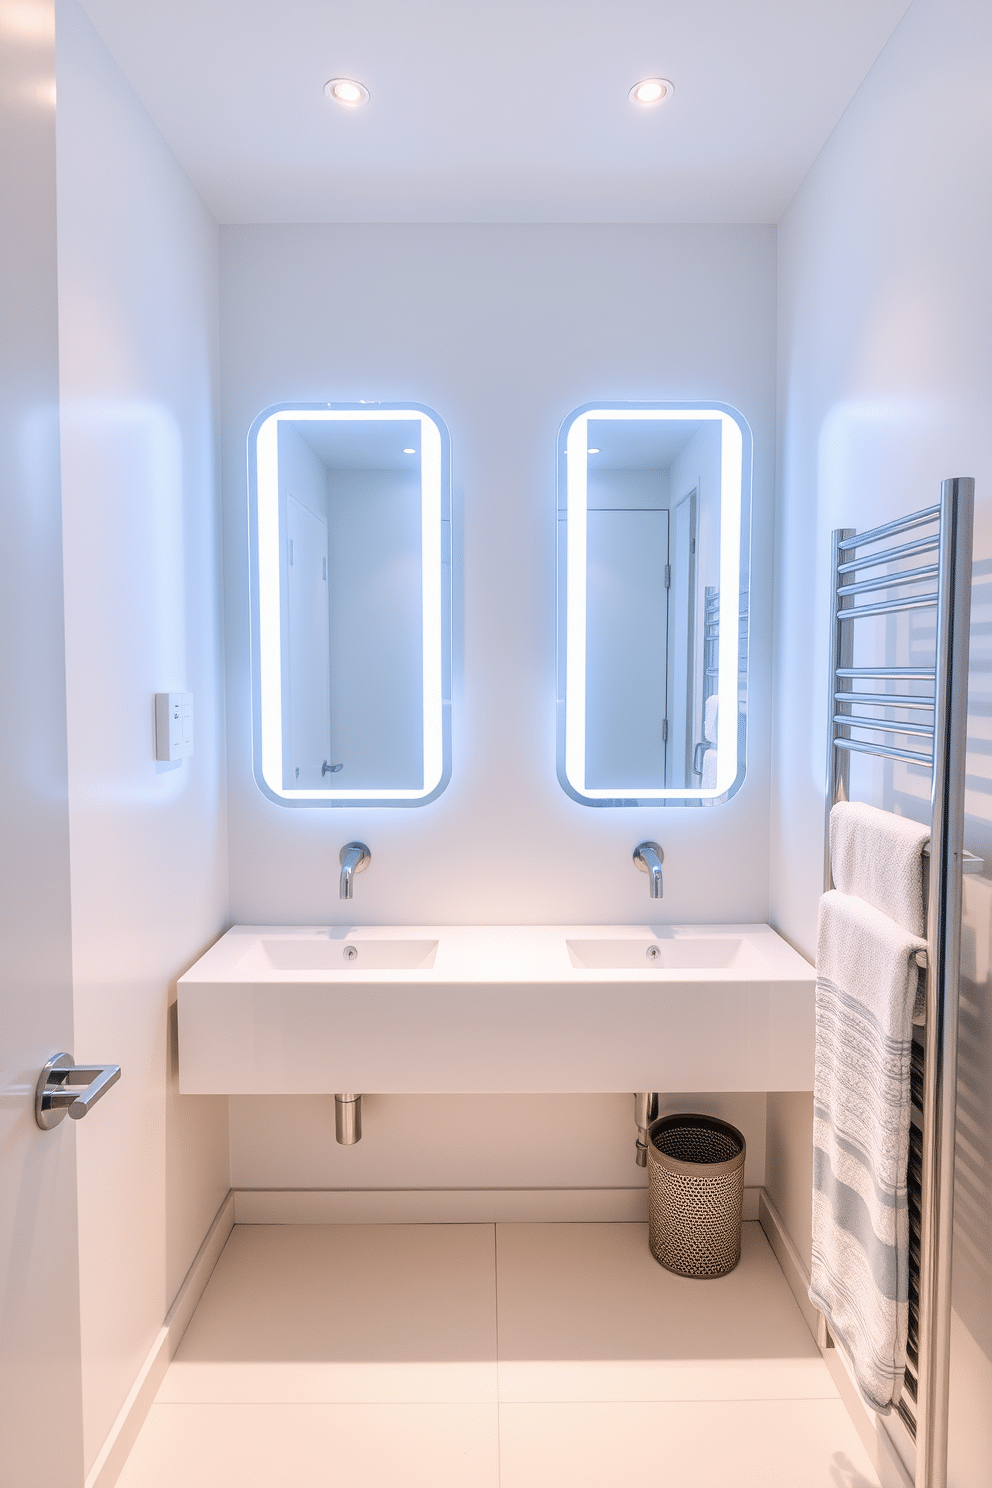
(695,1194)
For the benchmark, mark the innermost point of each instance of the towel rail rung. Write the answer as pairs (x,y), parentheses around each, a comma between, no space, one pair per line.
(889,555)
(908,674)
(880,726)
(890,581)
(885,700)
(890,529)
(894,607)
(884,751)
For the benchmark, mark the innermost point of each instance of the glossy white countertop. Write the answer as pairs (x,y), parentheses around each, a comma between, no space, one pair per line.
(501,953)
(496,1008)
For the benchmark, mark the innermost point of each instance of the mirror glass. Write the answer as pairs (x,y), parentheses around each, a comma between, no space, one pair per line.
(652,603)
(350,595)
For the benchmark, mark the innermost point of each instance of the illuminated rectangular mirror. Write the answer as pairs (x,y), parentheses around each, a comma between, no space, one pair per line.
(653,507)
(349,511)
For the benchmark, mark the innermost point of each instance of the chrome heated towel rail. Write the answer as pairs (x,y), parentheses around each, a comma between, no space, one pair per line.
(875,576)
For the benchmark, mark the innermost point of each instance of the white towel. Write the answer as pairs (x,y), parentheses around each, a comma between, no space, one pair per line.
(867,982)
(879,858)
(711,724)
(711,714)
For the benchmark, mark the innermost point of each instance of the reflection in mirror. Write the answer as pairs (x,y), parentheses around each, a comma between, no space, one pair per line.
(652,603)
(349,515)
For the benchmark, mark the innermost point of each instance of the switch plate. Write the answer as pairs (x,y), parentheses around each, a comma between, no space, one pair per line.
(173,725)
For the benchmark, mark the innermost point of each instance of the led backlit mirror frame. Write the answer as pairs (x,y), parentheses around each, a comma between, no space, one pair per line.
(264,586)
(735,495)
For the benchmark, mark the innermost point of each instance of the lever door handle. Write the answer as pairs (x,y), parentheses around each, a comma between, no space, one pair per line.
(66,1087)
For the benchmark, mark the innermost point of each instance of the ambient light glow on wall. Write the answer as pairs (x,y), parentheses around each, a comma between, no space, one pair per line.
(652,603)
(349,510)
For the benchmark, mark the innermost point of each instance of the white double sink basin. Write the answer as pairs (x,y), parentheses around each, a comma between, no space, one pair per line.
(489,1009)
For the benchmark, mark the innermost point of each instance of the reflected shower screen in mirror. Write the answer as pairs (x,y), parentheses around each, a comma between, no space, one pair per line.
(653,547)
(349,551)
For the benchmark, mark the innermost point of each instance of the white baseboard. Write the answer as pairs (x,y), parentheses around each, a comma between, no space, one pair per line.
(437,1205)
(448,1205)
(130,1419)
(793,1265)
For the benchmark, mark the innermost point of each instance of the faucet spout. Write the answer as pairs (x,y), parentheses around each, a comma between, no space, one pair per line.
(648,857)
(354,858)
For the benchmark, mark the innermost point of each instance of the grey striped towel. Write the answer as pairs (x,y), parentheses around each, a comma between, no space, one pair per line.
(867,988)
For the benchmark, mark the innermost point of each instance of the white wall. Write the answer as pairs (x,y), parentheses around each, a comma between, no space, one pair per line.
(885,384)
(301,473)
(464,1141)
(503,330)
(609,490)
(138,367)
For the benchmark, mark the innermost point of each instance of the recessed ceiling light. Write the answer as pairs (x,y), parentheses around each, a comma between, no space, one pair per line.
(409,451)
(592,451)
(346,91)
(651,91)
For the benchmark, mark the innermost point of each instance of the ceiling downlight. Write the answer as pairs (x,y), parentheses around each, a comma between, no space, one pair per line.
(346,92)
(650,92)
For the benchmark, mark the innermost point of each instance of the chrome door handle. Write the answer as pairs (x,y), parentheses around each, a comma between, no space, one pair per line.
(64,1086)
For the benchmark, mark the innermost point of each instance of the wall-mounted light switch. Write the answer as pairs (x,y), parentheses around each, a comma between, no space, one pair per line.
(173,725)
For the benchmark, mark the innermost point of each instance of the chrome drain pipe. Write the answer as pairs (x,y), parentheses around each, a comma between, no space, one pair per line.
(348,1119)
(645,1111)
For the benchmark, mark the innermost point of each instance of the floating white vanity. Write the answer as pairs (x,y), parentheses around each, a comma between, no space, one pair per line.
(496,1009)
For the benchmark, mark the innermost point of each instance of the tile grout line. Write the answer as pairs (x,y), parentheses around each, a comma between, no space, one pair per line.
(499,1433)
(713,1400)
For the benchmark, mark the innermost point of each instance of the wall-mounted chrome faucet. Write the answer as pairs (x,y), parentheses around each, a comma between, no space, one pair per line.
(649,857)
(354,858)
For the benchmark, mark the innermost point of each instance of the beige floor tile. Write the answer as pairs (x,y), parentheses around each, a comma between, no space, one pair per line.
(284,1446)
(312,1313)
(586,1313)
(319,1383)
(750,1444)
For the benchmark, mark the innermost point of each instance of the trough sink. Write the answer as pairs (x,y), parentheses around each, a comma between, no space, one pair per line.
(496,1008)
(686,953)
(353,953)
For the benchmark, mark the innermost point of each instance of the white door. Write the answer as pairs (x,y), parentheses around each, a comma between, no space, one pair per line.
(308,683)
(41,1431)
(626,649)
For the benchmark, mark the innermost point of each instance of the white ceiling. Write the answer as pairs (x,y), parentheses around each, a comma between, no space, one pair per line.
(513,111)
(366,444)
(639,444)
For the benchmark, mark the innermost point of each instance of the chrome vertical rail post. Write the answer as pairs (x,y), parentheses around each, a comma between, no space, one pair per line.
(957,503)
(841,655)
